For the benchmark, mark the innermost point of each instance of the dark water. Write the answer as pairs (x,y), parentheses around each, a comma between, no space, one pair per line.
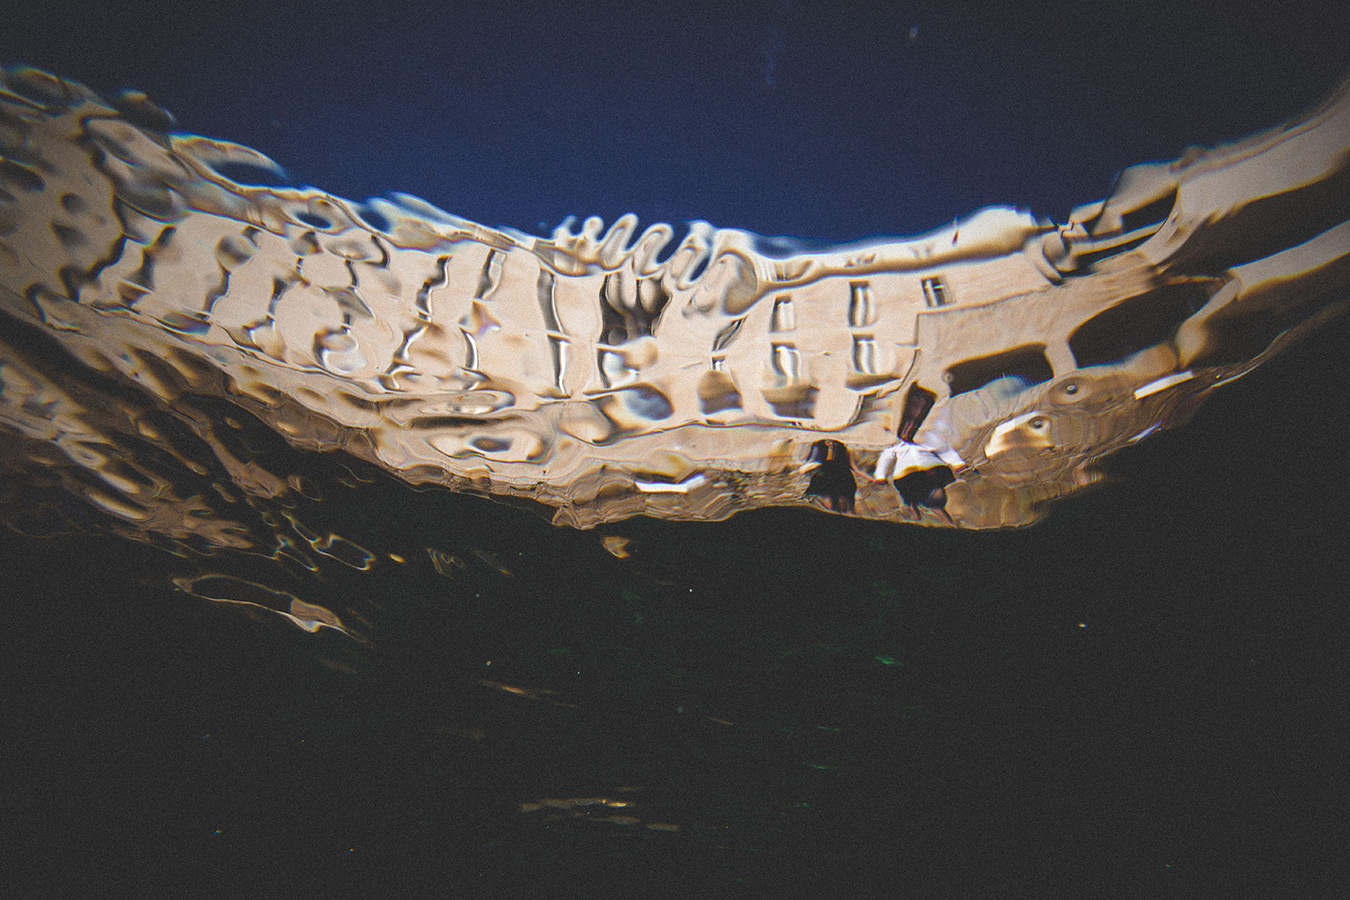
(1142,697)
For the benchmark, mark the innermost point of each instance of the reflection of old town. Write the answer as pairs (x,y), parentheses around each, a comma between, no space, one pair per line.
(965,378)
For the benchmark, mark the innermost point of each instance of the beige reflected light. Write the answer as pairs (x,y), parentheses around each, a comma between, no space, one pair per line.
(577,371)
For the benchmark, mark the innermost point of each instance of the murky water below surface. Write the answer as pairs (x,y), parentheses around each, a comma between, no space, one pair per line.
(499,701)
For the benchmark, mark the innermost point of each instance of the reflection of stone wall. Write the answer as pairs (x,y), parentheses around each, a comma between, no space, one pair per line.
(604,372)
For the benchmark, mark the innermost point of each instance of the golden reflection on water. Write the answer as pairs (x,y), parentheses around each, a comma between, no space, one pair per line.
(593,809)
(229,590)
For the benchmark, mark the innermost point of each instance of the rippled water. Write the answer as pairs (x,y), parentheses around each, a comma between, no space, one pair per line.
(1139,695)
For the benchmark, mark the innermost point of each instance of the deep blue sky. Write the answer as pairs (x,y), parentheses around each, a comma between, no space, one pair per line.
(813,119)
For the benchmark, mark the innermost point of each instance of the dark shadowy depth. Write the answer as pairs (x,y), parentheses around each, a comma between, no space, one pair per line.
(1142,697)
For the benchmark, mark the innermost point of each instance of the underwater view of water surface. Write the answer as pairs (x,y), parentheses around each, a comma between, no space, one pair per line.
(323,677)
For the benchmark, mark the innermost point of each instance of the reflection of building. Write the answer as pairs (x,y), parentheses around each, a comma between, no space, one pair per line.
(605,373)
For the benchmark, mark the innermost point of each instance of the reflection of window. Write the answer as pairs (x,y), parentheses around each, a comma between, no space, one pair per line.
(860,312)
(786,361)
(935,291)
(865,354)
(1027,363)
(1136,323)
